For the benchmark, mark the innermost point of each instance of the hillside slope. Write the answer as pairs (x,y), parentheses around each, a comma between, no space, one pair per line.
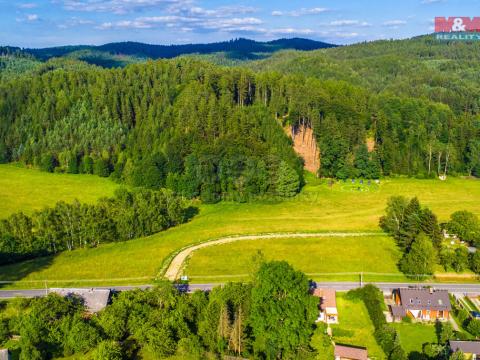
(420,67)
(120,54)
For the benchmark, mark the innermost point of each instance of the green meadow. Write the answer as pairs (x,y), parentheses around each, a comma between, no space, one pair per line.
(27,190)
(314,256)
(319,208)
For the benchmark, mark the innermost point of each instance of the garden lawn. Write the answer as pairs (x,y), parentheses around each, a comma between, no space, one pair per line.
(27,190)
(318,208)
(355,327)
(414,335)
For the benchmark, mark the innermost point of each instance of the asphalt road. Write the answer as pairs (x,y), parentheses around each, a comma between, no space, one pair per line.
(339,286)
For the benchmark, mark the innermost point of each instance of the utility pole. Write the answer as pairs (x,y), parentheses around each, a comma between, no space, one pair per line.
(361,279)
(46,288)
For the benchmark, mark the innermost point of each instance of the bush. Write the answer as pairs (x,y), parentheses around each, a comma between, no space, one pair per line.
(4,331)
(463,316)
(460,261)
(101,168)
(48,162)
(108,350)
(475,262)
(474,327)
(466,226)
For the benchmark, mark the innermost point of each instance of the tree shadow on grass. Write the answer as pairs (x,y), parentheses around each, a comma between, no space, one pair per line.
(18,271)
(416,355)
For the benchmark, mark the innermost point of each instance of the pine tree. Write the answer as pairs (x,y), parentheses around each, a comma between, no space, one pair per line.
(429,225)
(288,182)
(362,159)
(421,258)
(410,225)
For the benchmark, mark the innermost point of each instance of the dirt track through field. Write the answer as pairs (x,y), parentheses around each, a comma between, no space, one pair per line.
(176,265)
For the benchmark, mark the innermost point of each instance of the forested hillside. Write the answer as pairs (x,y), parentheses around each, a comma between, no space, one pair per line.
(238,48)
(420,67)
(217,133)
(197,129)
(13,62)
(424,98)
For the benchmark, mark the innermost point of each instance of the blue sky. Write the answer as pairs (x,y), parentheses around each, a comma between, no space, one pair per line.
(42,23)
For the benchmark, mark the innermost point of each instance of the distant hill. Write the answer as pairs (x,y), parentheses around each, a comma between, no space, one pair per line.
(420,67)
(118,54)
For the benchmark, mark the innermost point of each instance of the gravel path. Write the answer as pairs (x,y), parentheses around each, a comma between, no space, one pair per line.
(175,267)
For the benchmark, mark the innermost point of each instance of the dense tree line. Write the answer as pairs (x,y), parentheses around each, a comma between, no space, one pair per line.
(271,318)
(419,236)
(148,51)
(126,216)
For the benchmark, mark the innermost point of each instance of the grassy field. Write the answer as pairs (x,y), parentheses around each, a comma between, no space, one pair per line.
(413,336)
(355,327)
(314,256)
(318,208)
(28,190)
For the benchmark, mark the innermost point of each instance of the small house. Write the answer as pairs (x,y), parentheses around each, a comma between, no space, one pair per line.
(471,349)
(94,300)
(424,304)
(346,352)
(328,305)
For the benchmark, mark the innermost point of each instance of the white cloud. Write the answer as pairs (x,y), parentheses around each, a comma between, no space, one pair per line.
(117,6)
(428,2)
(349,23)
(220,12)
(27,6)
(28,18)
(394,23)
(342,35)
(32,17)
(291,31)
(188,24)
(300,12)
(73,22)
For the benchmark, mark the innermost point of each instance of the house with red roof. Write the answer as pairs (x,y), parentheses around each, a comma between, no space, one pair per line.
(328,312)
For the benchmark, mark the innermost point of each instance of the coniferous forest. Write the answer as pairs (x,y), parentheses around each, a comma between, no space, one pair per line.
(219,133)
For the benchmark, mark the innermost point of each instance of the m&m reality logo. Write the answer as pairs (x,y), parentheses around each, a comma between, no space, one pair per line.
(457,28)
